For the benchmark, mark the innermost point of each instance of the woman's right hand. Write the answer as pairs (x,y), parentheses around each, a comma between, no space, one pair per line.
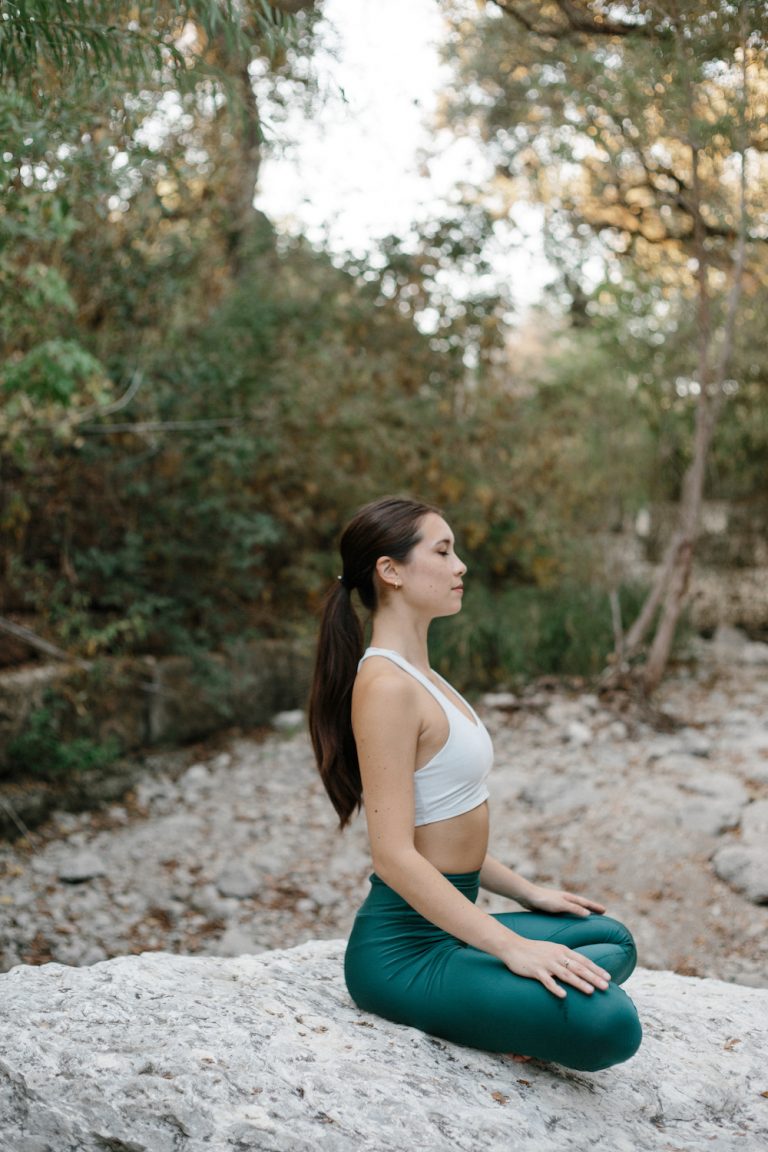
(541,960)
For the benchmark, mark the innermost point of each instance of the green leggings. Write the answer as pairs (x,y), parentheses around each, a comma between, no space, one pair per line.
(400,966)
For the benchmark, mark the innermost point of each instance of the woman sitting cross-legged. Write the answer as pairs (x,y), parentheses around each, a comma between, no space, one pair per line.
(392,735)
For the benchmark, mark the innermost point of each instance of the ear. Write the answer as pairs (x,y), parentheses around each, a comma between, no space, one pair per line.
(387,571)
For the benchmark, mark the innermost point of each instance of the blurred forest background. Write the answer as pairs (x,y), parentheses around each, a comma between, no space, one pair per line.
(191,404)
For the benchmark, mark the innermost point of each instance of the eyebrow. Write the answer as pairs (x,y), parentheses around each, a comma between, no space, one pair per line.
(446,540)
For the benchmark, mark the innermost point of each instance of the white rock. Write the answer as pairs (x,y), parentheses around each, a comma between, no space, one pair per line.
(501,700)
(694,743)
(196,776)
(240,880)
(729,640)
(711,802)
(616,730)
(80,867)
(754,822)
(578,733)
(561,712)
(744,867)
(237,941)
(158,1052)
(288,721)
(754,653)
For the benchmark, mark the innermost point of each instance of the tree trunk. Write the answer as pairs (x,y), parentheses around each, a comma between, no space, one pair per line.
(670,588)
(679,572)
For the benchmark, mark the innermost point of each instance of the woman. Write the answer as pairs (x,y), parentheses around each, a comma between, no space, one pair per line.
(390,732)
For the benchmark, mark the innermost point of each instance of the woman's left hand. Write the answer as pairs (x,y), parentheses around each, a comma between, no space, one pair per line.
(550,900)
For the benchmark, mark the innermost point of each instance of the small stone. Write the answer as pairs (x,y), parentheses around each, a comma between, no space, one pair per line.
(754,653)
(67,821)
(84,866)
(562,712)
(93,955)
(754,823)
(196,776)
(288,722)
(745,868)
(578,733)
(728,639)
(503,701)
(236,941)
(241,881)
(693,743)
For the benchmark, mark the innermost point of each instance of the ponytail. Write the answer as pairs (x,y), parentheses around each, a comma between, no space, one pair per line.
(339,648)
(388,527)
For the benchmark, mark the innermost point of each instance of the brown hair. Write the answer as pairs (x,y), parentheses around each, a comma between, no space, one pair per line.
(386,527)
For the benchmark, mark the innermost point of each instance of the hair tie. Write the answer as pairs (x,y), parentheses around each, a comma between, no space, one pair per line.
(343,583)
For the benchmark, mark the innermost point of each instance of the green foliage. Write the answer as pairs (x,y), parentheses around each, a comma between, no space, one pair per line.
(42,752)
(510,636)
(96,36)
(191,406)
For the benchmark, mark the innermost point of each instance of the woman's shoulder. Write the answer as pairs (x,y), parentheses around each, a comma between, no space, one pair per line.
(380,684)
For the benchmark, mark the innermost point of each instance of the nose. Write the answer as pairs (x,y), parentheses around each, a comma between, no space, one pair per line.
(461,567)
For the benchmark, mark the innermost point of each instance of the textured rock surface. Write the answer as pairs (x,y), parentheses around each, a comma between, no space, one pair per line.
(161,1053)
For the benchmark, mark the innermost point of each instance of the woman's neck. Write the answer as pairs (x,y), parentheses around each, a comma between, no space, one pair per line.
(409,642)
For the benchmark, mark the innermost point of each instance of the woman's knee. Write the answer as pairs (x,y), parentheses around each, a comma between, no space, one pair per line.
(620,936)
(612,1032)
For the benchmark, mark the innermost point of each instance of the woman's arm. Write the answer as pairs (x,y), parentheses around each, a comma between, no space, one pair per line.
(496,877)
(387,722)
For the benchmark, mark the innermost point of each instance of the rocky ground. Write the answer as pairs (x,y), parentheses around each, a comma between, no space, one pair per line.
(158,1053)
(232,847)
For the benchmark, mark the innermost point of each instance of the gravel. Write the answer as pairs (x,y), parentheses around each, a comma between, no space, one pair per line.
(233,848)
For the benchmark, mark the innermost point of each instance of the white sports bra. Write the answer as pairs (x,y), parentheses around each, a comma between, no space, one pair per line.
(453,781)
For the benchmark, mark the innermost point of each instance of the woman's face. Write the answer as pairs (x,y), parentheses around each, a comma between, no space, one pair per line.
(431,577)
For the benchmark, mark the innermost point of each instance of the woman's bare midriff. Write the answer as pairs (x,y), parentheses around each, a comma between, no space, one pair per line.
(455,845)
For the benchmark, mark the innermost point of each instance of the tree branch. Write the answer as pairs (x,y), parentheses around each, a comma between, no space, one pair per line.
(122,401)
(160,426)
(576,23)
(19,632)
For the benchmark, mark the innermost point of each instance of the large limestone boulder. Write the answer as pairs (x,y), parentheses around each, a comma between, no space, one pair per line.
(156,1052)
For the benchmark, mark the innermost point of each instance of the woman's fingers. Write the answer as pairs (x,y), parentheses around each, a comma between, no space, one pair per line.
(554,965)
(582,973)
(583,904)
(576,970)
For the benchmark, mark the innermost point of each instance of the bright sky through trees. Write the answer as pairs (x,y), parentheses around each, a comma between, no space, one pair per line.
(372,166)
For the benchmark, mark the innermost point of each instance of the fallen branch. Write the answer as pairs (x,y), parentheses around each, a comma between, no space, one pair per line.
(29,637)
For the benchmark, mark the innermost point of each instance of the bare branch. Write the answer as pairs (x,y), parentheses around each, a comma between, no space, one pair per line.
(643,622)
(122,402)
(291,7)
(29,637)
(618,630)
(577,22)
(160,426)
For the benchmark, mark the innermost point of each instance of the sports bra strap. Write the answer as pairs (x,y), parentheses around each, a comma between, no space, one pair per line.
(441,697)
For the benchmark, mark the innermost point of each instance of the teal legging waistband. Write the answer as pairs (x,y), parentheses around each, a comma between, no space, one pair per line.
(402,967)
